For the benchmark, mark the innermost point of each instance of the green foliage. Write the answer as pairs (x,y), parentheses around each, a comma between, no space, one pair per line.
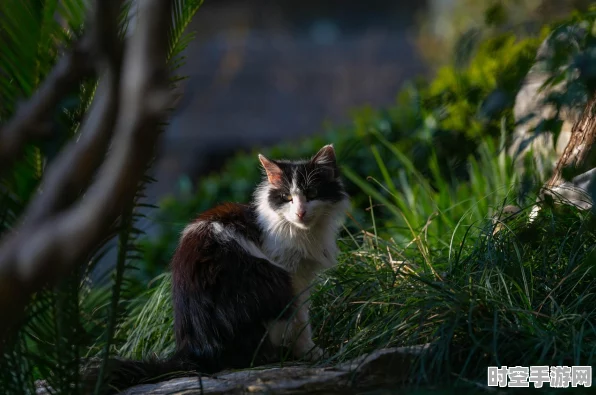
(569,62)
(29,37)
(437,207)
(148,329)
(30,31)
(76,318)
(458,98)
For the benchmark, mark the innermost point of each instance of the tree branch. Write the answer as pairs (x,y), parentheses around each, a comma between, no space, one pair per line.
(72,171)
(39,253)
(574,172)
(29,121)
(579,155)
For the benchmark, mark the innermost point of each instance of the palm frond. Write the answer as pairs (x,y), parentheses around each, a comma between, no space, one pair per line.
(125,241)
(78,317)
(183,12)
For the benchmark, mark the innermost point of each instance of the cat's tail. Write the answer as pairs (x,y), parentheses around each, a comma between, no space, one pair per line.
(120,374)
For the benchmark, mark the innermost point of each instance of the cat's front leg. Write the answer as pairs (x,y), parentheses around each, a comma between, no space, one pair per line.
(303,346)
(297,334)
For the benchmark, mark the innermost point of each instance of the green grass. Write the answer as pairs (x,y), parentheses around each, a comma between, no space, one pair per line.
(426,268)
(524,297)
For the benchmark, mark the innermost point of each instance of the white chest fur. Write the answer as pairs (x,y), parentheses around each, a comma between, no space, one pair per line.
(300,249)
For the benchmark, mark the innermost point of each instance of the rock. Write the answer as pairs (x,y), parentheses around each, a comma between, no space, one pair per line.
(382,368)
(530,107)
(575,192)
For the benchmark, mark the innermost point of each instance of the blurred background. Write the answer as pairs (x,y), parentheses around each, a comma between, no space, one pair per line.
(262,72)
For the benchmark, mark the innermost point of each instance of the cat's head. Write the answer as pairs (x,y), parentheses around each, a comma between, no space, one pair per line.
(302,192)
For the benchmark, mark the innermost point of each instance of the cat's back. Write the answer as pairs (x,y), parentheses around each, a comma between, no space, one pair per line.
(221,229)
(224,221)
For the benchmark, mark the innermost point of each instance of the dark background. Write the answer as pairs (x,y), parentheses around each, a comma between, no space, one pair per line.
(261,72)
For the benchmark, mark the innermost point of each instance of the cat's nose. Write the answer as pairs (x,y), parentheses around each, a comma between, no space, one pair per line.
(301,213)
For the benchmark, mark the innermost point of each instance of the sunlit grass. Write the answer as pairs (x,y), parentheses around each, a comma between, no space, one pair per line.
(508,300)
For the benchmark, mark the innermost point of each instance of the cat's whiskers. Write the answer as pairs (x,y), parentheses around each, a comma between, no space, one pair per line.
(312,174)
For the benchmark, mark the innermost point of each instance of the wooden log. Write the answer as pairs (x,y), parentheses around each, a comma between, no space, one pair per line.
(390,367)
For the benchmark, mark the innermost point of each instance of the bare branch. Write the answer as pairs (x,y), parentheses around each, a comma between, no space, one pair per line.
(574,172)
(579,155)
(29,121)
(30,259)
(72,171)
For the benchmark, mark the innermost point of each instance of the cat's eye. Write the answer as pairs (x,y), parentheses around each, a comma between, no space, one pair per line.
(310,193)
(286,197)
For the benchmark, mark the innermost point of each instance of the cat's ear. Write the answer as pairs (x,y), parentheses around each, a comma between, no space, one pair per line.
(326,157)
(274,173)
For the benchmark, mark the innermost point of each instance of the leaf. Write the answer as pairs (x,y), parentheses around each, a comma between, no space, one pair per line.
(465,47)
(495,15)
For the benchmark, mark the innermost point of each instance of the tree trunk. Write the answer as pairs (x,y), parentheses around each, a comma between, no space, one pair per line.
(579,155)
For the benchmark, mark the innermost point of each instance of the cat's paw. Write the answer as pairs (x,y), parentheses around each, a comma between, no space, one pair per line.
(313,354)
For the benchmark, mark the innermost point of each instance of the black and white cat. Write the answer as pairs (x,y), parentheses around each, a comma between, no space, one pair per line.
(241,273)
